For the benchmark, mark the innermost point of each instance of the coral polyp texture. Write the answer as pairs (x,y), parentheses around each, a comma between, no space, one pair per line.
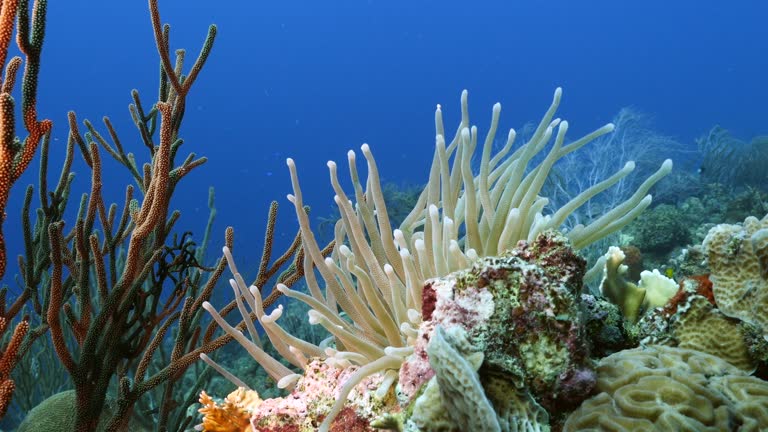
(704,328)
(693,321)
(737,256)
(658,388)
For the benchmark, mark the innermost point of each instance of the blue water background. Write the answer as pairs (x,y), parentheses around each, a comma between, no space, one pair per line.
(312,79)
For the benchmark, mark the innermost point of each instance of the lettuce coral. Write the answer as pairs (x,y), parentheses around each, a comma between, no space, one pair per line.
(652,291)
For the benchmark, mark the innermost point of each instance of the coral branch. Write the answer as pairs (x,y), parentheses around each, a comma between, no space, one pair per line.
(16,154)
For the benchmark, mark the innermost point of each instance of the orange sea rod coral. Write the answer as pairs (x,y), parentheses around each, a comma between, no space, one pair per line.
(232,415)
(16,152)
(8,360)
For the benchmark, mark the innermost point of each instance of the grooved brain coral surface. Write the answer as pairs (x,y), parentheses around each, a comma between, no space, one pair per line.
(738,260)
(659,388)
(706,329)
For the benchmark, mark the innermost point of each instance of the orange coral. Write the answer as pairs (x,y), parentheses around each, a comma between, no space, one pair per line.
(704,288)
(8,360)
(232,415)
(698,284)
(16,153)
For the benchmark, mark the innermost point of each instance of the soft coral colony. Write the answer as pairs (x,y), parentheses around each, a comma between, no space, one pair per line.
(118,289)
(469,315)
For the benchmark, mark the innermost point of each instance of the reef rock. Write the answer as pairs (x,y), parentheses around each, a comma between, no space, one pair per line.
(521,313)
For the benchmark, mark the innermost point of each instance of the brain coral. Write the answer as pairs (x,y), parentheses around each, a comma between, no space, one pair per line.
(658,388)
(738,258)
(703,328)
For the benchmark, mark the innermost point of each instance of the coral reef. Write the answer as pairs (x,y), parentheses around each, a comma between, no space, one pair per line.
(469,315)
(689,261)
(668,234)
(634,260)
(521,314)
(692,320)
(505,336)
(16,153)
(537,324)
(616,288)
(458,398)
(373,278)
(8,360)
(135,280)
(657,388)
